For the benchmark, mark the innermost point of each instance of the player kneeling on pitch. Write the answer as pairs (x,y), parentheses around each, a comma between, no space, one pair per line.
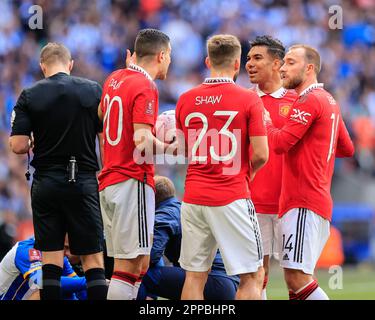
(21,274)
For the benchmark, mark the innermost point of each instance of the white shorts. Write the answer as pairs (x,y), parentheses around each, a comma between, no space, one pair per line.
(269,229)
(303,235)
(232,228)
(128,211)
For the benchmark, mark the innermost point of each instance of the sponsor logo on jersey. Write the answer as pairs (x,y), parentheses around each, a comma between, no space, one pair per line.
(300,116)
(286,258)
(36,264)
(34,255)
(150,107)
(284,110)
(331,100)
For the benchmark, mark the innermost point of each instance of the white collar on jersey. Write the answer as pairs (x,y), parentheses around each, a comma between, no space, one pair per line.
(134,67)
(278,94)
(311,87)
(218,80)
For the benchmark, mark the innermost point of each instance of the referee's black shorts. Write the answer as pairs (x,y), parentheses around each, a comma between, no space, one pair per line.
(60,207)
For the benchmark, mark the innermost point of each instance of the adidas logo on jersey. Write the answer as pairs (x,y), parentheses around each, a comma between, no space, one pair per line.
(285,257)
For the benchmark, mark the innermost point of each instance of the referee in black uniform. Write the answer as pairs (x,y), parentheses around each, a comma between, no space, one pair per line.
(60,114)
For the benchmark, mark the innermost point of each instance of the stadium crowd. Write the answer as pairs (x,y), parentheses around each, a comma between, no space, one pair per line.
(98,32)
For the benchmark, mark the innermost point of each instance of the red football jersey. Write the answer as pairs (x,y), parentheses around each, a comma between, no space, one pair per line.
(217,119)
(129,96)
(313,135)
(266,186)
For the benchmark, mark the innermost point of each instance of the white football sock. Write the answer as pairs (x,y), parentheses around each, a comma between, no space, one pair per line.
(318,294)
(136,289)
(120,290)
(311,291)
(264,294)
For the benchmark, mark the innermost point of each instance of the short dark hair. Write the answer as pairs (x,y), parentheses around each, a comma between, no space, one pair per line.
(150,42)
(275,47)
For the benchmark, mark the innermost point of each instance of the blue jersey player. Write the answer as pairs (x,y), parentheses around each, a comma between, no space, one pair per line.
(168,281)
(21,275)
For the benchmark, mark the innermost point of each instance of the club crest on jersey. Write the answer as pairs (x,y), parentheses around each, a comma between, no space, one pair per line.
(284,110)
(300,116)
(34,255)
(150,107)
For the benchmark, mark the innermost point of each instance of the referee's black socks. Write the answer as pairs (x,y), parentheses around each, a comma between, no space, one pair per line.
(51,282)
(97,287)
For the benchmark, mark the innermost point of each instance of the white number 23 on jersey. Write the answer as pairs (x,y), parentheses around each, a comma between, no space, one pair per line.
(223,131)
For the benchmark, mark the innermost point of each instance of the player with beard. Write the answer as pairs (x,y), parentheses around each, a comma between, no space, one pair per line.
(218,122)
(312,137)
(264,60)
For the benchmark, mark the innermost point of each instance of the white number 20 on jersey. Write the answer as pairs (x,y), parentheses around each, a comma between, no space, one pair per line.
(224,131)
(108,103)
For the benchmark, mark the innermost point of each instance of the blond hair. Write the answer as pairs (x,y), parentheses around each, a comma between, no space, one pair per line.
(55,53)
(223,49)
(164,189)
(311,55)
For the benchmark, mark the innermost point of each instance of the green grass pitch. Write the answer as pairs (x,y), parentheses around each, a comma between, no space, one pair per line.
(358,283)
